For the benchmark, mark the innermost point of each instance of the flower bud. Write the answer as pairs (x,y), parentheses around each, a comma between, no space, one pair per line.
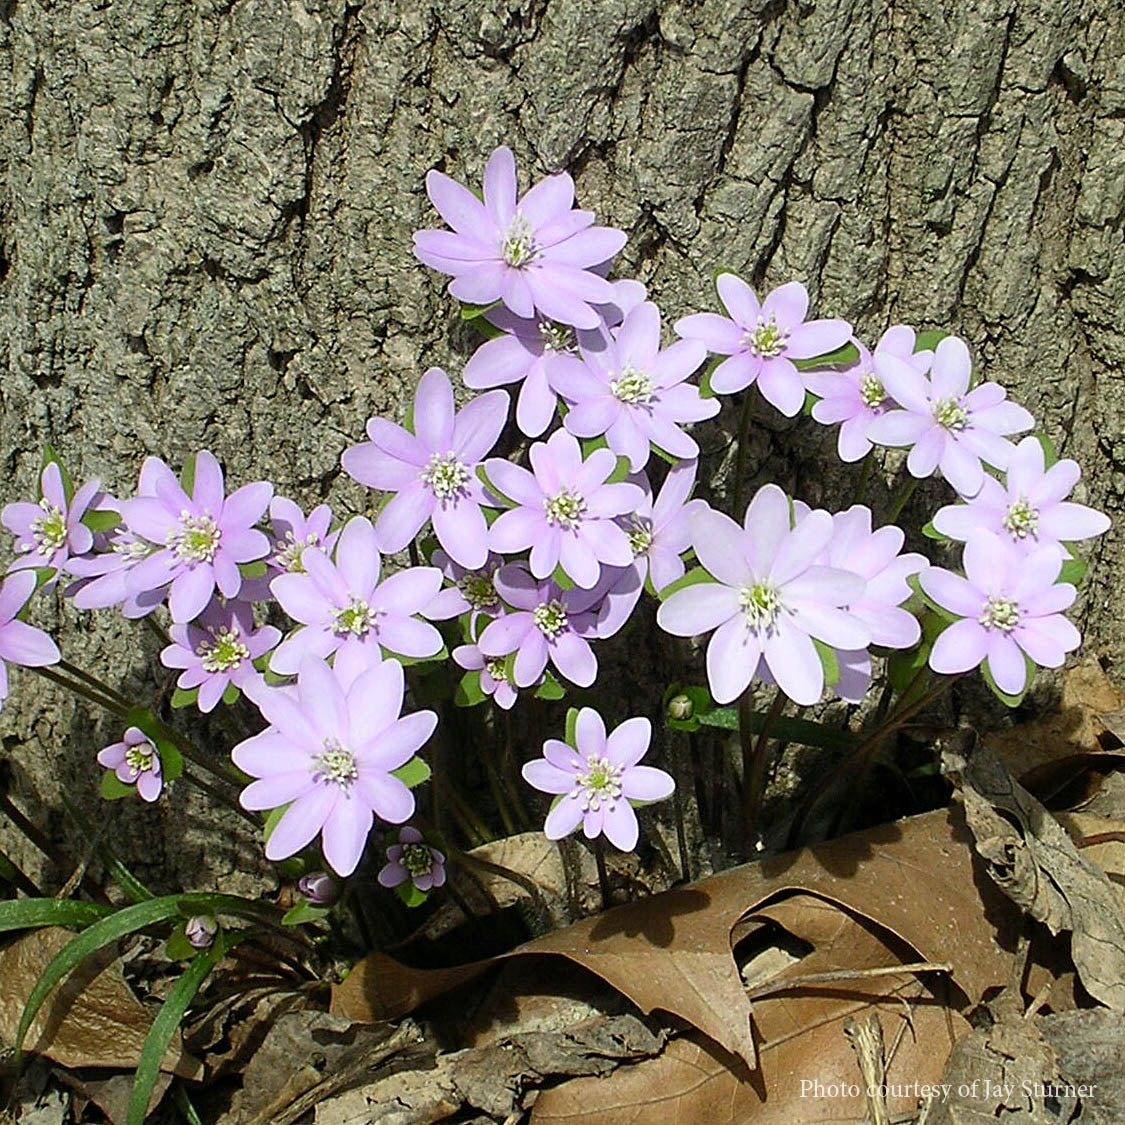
(201,930)
(319,888)
(680,707)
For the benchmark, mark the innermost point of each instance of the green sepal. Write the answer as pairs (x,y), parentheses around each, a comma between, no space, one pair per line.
(620,471)
(709,368)
(427,545)
(469,311)
(231,695)
(411,661)
(1003,696)
(915,585)
(113,788)
(593,444)
(928,340)
(664,455)
(486,328)
(468,692)
(178,948)
(50,457)
(828,662)
(410,894)
(171,760)
(572,727)
(931,532)
(413,773)
(273,678)
(1050,453)
(304,911)
(692,578)
(43,575)
(550,688)
(184,697)
(187,475)
(845,356)
(701,703)
(483,476)
(510,666)
(810,402)
(562,579)
(272,819)
(145,721)
(101,519)
(1074,569)
(256,569)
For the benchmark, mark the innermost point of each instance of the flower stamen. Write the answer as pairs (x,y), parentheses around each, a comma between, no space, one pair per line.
(356,618)
(566,509)
(445,475)
(632,386)
(872,391)
(335,764)
(49,529)
(1000,613)
(950,414)
(599,784)
(417,859)
(760,604)
(224,652)
(196,539)
(767,340)
(550,618)
(1022,519)
(519,246)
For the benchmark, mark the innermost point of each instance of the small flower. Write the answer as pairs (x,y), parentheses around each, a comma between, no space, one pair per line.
(217,650)
(1010,604)
(546,623)
(530,351)
(534,254)
(565,510)
(472,591)
(633,391)
(50,532)
(202,539)
(597,779)
(20,643)
(769,599)
(328,754)
(293,534)
(1031,508)
(136,761)
(103,574)
(856,396)
(433,470)
(411,858)
(494,679)
(763,340)
(200,930)
(950,427)
(319,888)
(342,603)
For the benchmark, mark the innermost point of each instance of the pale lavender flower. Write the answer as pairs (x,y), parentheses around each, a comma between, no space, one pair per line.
(471,591)
(534,253)
(342,603)
(1010,603)
(217,650)
(950,427)
(103,576)
(634,391)
(493,676)
(763,340)
(202,539)
(770,598)
(566,510)
(21,644)
(50,532)
(329,753)
(414,860)
(855,396)
(319,888)
(598,779)
(546,623)
(200,930)
(1030,508)
(136,761)
(433,471)
(293,533)
(530,350)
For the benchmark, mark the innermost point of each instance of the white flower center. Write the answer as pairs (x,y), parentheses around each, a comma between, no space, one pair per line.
(139,758)
(1022,519)
(132,548)
(417,859)
(49,529)
(550,617)
(566,509)
(496,669)
(445,475)
(1000,613)
(558,339)
(224,652)
(760,604)
(949,413)
(290,549)
(357,618)
(767,340)
(872,392)
(632,386)
(196,539)
(639,534)
(599,784)
(478,590)
(336,764)
(519,242)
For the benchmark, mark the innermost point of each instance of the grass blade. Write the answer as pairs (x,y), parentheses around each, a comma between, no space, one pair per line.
(29,913)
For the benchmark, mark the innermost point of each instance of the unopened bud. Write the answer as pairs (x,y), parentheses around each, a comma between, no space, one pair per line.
(201,930)
(319,888)
(680,707)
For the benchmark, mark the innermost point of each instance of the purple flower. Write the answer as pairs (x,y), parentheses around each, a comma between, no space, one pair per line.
(493,677)
(634,392)
(50,532)
(547,623)
(1030,508)
(293,533)
(200,930)
(433,470)
(533,254)
(103,577)
(473,591)
(565,513)
(763,340)
(856,396)
(415,860)
(217,650)
(597,779)
(319,888)
(530,351)
(328,754)
(20,643)
(202,538)
(136,761)
(343,603)
(1010,605)
(950,427)
(769,599)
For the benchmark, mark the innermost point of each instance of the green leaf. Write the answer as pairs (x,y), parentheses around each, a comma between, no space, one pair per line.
(572,727)
(928,340)
(620,471)
(168,1019)
(705,388)
(1050,453)
(828,662)
(113,788)
(804,732)
(304,911)
(1074,569)
(30,913)
(233,905)
(413,773)
(931,532)
(178,948)
(171,760)
(807,406)
(550,688)
(692,578)
(483,475)
(145,721)
(124,878)
(101,519)
(187,475)
(256,569)
(410,894)
(50,457)
(844,356)
(915,585)
(562,579)
(590,445)
(411,661)
(469,311)
(468,692)
(1003,696)
(231,695)
(486,328)
(182,698)
(271,822)
(664,455)
(43,575)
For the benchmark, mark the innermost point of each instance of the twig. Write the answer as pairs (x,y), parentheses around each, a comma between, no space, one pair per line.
(771,988)
(866,1040)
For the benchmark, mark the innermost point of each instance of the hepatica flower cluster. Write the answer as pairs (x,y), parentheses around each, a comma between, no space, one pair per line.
(525,512)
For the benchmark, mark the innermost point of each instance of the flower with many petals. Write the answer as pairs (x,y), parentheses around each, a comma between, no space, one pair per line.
(494,679)
(762,340)
(20,643)
(950,428)
(412,860)
(136,761)
(534,253)
(470,591)
(103,575)
(769,598)
(294,533)
(433,470)
(597,780)
(1010,604)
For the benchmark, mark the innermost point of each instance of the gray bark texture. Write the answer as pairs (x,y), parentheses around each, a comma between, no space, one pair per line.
(207,206)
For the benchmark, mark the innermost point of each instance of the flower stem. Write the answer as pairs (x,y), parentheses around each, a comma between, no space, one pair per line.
(603,873)
(902,499)
(83,691)
(743,451)
(93,682)
(754,764)
(864,478)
